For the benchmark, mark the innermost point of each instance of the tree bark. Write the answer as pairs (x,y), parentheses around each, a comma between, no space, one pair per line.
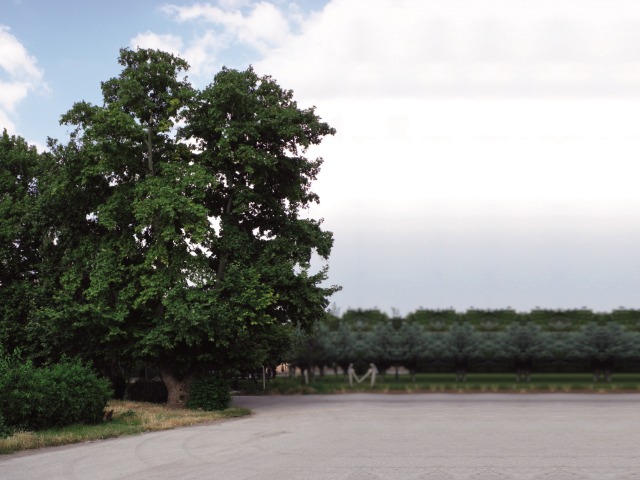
(177,388)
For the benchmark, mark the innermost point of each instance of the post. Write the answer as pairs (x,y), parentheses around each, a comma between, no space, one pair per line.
(264,382)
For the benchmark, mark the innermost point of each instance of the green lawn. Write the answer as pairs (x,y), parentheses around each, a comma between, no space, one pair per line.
(445,382)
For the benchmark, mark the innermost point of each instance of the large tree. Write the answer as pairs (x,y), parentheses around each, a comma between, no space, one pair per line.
(602,347)
(384,346)
(195,249)
(461,345)
(522,345)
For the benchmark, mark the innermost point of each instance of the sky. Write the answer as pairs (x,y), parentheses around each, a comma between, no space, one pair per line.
(486,156)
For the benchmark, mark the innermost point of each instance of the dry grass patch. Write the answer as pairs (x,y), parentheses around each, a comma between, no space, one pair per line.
(128,418)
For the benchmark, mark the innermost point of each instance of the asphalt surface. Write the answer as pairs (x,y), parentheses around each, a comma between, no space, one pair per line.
(372,436)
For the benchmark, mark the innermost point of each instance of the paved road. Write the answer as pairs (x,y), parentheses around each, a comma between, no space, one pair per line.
(363,436)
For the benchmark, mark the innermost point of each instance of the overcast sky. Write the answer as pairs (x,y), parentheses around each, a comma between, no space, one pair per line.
(487,152)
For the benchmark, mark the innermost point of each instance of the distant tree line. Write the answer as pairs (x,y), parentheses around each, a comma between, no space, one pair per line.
(541,340)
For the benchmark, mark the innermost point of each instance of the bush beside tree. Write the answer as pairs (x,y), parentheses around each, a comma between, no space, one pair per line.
(209,392)
(35,398)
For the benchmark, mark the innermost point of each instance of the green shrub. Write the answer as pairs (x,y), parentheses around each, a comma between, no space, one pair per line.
(209,392)
(34,398)
(80,396)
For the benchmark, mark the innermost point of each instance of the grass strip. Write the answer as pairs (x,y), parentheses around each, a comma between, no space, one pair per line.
(444,383)
(129,418)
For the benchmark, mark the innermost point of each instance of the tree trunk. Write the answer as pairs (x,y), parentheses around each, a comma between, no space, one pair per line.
(177,388)
(224,259)
(149,143)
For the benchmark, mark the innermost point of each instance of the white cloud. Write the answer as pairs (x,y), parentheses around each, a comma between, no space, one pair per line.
(442,87)
(259,26)
(464,101)
(264,27)
(200,54)
(234,4)
(150,40)
(5,122)
(19,75)
(11,93)
(400,154)
(15,60)
(503,48)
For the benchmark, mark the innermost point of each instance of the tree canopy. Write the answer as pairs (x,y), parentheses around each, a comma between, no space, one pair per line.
(176,220)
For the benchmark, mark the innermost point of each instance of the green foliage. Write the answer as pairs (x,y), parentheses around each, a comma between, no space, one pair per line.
(523,346)
(209,392)
(491,320)
(34,398)
(385,347)
(344,339)
(627,317)
(5,431)
(479,341)
(561,320)
(169,228)
(603,347)
(521,342)
(461,345)
(364,319)
(21,234)
(310,348)
(412,345)
(434,320)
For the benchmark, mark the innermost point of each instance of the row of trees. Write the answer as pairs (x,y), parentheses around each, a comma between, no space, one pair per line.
(521,346)
(493,319)
(168,229)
